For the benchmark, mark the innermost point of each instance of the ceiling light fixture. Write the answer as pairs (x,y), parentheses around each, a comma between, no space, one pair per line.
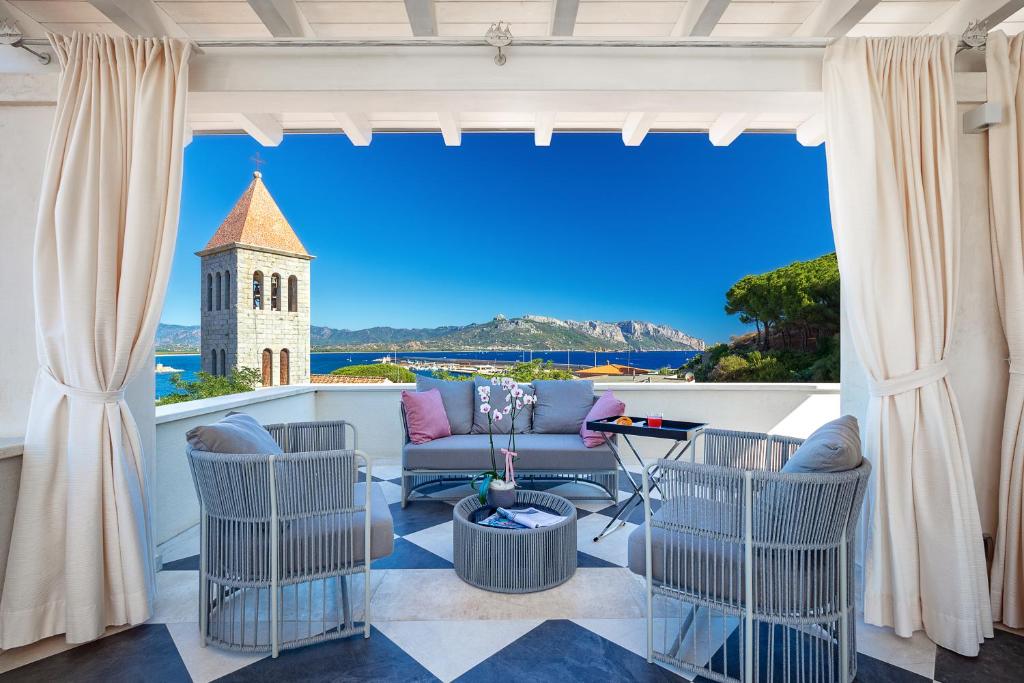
(499,35)
(11,35)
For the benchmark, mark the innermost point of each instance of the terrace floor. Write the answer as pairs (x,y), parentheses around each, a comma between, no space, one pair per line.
(429,625)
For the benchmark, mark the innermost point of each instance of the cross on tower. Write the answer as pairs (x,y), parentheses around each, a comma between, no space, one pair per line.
(258,161)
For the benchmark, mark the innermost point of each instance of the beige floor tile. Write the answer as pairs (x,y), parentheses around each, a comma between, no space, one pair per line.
(418,594)
(448,649)
(916,653)
(206,663)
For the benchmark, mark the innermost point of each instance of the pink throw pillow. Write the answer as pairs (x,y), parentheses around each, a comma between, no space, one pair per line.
(425,415)
(606,406)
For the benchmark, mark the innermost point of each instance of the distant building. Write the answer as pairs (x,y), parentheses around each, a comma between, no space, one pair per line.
(255,293)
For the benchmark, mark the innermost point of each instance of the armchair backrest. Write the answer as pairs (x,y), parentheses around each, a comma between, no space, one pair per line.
(748,450)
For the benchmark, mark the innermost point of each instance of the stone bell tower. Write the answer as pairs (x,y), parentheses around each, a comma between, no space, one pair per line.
(255,293)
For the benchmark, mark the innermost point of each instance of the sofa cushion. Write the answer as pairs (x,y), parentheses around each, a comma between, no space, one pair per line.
(235,433)
(524,418)
(604,407)
(562,405)
(833,447)
(709,561)
(551,452)
(425,415)
(457,398)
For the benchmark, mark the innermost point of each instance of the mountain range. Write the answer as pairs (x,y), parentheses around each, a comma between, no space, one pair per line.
(501,333)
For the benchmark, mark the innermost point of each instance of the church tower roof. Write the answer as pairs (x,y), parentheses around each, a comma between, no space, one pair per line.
(256,221)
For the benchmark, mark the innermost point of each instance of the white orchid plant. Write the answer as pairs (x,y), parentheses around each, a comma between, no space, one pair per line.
(516,400)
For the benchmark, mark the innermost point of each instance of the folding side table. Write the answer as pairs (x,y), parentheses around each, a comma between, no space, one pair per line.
(682,434)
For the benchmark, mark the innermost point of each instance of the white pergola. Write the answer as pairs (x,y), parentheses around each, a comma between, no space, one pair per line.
(635,66)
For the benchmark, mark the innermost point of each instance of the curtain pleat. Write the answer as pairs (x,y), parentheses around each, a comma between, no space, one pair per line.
(80,556)
(892,127)
(1004,60)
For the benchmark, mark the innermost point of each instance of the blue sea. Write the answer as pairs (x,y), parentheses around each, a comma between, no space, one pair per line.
(323,363)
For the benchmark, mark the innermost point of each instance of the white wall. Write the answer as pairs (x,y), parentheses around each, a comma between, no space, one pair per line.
(977,360)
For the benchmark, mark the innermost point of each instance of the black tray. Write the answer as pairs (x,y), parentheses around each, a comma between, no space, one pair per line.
(485,511)
(669,429)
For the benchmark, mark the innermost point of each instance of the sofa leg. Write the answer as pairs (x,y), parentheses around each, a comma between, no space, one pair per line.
(405,490)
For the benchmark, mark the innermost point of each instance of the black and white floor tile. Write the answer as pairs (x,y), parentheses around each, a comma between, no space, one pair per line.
(428,625)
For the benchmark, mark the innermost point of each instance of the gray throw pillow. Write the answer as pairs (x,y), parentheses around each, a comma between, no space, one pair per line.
(562,405)
(457,398)
(236,433)
(833,447)
(524,419)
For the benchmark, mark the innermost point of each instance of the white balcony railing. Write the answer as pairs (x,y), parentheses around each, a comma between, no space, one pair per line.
(791,409)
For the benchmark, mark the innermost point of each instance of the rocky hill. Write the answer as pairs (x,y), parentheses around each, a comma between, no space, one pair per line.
(528,332)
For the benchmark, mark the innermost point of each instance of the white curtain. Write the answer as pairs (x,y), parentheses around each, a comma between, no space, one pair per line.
(1005,157)
(80,556)
(892,138)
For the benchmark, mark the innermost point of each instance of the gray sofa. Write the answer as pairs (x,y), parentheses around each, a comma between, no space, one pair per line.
(552,452)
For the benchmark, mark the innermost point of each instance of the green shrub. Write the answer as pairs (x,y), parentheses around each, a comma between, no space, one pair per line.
(207,386)
(395,373)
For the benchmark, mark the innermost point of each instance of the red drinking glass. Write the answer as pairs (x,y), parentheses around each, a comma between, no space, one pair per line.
(654,420)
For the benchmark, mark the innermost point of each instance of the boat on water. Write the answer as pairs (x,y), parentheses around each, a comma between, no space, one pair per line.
(162,369)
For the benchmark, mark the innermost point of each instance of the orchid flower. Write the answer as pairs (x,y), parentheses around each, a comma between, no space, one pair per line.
(519,405)
(497,416)
(507,409)
(495,381)
(485,408)
(508,397)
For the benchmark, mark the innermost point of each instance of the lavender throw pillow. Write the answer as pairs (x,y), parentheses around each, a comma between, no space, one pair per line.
(606,406)
(425,415)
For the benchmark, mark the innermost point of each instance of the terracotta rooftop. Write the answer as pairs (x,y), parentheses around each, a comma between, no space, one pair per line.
(346,379)
(256,221)
(611,369)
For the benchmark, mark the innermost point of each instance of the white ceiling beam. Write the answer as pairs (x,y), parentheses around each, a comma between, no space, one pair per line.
(451,130)
(188,135)
(727,127)
(956,18)
(283,18)
(834,18)
(356,126)
(543,128)
(699,18)
(263,128)
(563,17)
(139,18)
(422,17)
(635,127)
(811,132)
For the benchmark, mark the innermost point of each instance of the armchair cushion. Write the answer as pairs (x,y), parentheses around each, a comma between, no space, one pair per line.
(235,433)
(833,447)
(457,398)
(562,405)
(302,537)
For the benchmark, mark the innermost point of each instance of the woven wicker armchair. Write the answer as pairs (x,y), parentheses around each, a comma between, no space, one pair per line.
(748,569)
(284,537)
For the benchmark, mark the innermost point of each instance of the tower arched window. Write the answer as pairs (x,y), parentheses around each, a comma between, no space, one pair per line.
(275,292)
(257,290)
(285,368)
(227,290)
(209,292)
(293,294)
(220,291)
(223,365)
(213,361)
(268,367)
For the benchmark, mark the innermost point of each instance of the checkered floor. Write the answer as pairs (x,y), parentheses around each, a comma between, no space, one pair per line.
(429,625)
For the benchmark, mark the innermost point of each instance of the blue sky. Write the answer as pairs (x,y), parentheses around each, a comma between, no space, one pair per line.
(410,233)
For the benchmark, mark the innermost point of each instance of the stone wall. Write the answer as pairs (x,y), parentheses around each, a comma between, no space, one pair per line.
(219,325)
(266,328)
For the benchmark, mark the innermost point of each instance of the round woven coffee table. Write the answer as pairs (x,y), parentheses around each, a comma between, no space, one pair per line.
(515,560)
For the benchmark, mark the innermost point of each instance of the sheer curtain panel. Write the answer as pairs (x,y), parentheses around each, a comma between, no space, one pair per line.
(892,128)
(80,556)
